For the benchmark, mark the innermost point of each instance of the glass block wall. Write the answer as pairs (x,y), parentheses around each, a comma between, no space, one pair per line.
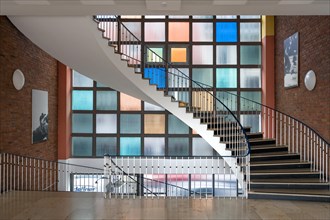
(223,52)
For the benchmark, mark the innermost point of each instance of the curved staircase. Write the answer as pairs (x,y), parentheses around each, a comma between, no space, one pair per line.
(287,160)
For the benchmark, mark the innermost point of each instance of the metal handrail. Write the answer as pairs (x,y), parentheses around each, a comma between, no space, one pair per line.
(100,19)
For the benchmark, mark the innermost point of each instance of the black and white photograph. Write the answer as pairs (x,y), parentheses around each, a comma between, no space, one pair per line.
(39,116)
(291,61)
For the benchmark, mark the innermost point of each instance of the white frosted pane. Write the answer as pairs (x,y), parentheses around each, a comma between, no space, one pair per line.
(134,28)
(106,123)
(154,31)
(151,107)
(250,78)
(250,32)
(226,55)
(80,80)
(203,54)
(202,32)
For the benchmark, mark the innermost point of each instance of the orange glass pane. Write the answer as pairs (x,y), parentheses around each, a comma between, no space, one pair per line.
(178,31)
(154,123)
(129,103)
(179,55)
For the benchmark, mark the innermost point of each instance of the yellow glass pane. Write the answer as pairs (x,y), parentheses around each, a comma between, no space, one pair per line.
(154,123)
(203,100)
(178,31)
(179,55)
(129,103)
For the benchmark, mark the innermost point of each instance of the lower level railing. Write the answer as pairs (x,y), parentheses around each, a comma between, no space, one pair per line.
(124,177)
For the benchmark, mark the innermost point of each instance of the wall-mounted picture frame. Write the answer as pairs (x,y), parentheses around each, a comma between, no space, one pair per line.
(291,61)
(39,116)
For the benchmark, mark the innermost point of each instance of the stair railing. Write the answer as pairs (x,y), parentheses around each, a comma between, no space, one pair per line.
(194,96)
(287,131)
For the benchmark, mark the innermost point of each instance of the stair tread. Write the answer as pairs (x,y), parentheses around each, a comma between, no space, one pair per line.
(291,183)
(268,146)
(323,192)
(283,173)
(284,152)
(282,170)
(279,162)
(290,180)
(262,139)
(274,154)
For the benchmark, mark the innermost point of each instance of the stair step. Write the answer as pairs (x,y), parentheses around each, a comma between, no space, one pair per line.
(257,150)
(288,196)
(288,185)
(261,141)
(284,175)
(290,180)
(282,165)
(277,161)
(277,157)
(294,170)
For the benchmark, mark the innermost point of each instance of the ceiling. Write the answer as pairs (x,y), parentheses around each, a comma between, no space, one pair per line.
(164,7)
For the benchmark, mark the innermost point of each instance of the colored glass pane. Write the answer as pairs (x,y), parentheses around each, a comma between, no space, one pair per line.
(106,123)
(156,76)
(226,78)
(250,78)
(133,27)
(202,32)
(154,146)
(155,54)
(178,78)
(178,147)
(202,54)
(203,76)
(229,99)
(82,146)
(250,32)
(106,100)
(154,123)
(82,100)
(80,80)
(176,126)
(250,55)
(201,148)
(129,103)
(130,123)
(226,32)
(130,146)
(178,55)
(178,31)
(151,107)
(82,123)
(154,31)
(226,55)
(106,145)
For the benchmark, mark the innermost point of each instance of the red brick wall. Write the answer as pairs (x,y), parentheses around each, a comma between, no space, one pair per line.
(40,71)
(311,107)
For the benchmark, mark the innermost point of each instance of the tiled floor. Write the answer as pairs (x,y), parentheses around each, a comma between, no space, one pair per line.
(64,205)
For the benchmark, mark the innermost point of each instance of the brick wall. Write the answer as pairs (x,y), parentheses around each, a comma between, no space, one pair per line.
(311,107)
(40,71)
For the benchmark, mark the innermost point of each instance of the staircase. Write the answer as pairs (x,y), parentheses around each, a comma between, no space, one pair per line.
(287,160)
(277,168)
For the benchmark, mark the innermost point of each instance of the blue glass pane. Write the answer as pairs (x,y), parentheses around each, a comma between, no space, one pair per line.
(82,123)
(178,147)
(106,145)
(82,146)
(130,124)
(82,100)
(154,146)
(226,78)
(156,76)
(130,146)
(226,32)
(106,100)
(176,126)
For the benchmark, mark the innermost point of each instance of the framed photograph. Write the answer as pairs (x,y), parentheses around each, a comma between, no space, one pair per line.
(291,61)
(39,116)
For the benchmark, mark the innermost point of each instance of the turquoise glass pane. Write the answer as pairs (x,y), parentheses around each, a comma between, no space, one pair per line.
(202,76)
(106,123)
(250,55)
(201,147)
(80,80)
(154,146)
(229,99)
(106,145)
(82,146)
(247,105)
(130,146)
(82,100)
(82,123)
(226,78)
(226,32)
(156,76)
(130,123)
(106,100)
(100,85)
(176,126)
(178,147)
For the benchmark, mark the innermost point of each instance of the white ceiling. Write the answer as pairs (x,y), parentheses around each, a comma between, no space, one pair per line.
(164,7)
